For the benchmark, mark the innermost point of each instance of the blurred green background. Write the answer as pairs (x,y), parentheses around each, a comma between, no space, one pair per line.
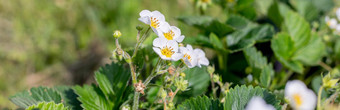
(54,42)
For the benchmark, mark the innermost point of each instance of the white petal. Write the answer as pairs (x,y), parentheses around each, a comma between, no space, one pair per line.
(145,19)
(189,47)
(293,87)
(158,15)
(165,58)
(145,13)
(164,26)
(176,31)
(176,56)
(309,100)
(157,50)
(257,103)
(156,31)
(159,42)
(183,50)
(173,44)
(180,38)
(327,19)
(199,52)
(203,61)
(338,13)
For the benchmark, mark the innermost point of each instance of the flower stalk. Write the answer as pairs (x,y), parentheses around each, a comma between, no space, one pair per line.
(319,98)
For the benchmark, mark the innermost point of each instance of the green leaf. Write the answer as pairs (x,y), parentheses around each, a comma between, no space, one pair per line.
(198,80)
(283,47)
(274,14)
(113,82)
(238,97)
(239,22)
(324,5)
(260,65)
(200,103)
(48,106)
(337,49)
(216,42)
(248,36)
(208,24)
(69,97)
(312,53)
(306,8)
(35,95)
(298,28)
(92,98)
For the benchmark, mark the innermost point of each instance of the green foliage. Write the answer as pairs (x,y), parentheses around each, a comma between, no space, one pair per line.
(36,95)
(238,97)
(301,46)
(248,33)
(198,80)
(260,66)
(47,106)
(208,24)
(200,103)
(111,91)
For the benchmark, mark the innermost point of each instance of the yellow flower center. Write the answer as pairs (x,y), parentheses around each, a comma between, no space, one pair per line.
(187,56)
(169,35)
(167,52)
(154,22)
(297,99)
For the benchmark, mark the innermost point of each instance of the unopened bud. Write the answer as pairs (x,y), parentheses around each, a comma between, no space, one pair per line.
(182,74)
(328,82)
(211,69)
(162,93)
(139,27)
(216,78)
(117,34)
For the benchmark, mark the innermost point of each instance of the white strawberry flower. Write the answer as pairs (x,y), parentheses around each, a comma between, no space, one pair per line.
(299,96)
(167,50)
(189,57)
(331,22)
(201,59)
(155,19)
(257,103)
(173,33)
(338,13)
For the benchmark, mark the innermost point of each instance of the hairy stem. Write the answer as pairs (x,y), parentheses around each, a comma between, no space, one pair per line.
(324,65)
(153,73)
(213,85)
(140,41)
(319,98)
(172,97)
(135,101)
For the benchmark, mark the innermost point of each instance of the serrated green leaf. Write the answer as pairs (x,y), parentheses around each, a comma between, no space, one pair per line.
(312,53)
(238,97)
(112,80)
(198,79)
(274,14)
(69,97)
(298,28)
(306,8)
(283,47)
(248,36)
(48,106)
(259,65)
(200,103)
(92,98)
(239,22)
(36,95)
(105,85)
(207,23)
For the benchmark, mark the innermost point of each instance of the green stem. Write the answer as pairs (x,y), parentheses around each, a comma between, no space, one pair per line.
(324,65)
(284,80)
(135,101)
(319,98)
(153,73)
(140,41)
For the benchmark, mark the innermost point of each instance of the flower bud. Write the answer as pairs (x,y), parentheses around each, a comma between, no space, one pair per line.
(182,84)
(328,82)
(171,70)
(182,74)
(117,34)
(211,69)
(162,93)
(139,27)
(216,78)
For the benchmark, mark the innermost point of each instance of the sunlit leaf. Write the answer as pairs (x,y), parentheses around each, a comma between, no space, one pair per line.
(48,106)
(200,103)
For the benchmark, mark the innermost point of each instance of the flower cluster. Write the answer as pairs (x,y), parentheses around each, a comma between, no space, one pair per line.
(166,45)
(332,23)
